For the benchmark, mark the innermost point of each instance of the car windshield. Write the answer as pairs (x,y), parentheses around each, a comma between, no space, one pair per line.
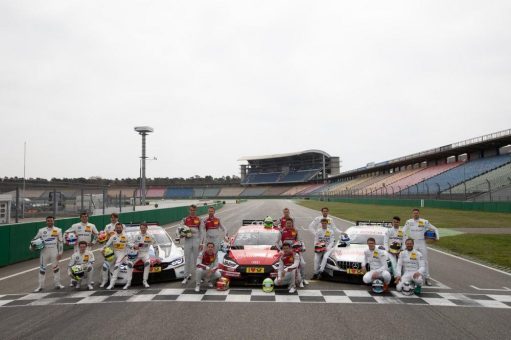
(256,239)
(360,236)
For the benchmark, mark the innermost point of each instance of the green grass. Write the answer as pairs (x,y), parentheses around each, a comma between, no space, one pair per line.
(489,248)
(443,218)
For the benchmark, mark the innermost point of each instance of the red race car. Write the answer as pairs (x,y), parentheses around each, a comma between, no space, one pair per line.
(253,254)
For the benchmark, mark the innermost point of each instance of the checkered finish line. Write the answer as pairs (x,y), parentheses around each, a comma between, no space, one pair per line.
(255,295)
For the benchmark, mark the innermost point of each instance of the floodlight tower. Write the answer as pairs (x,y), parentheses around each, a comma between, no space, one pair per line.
(143,131)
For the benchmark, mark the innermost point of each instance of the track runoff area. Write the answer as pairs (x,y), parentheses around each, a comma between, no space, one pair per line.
(466,300)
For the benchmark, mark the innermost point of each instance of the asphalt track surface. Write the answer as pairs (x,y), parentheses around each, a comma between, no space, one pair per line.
(178,319)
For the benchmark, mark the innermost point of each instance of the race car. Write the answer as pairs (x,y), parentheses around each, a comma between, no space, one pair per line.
(345,261)
(169,265)
(253,254)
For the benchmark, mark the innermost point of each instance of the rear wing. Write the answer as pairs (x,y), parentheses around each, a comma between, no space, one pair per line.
(256,222)
(137,224)
(376,223)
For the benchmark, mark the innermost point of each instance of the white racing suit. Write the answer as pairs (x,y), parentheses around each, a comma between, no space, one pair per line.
(86,260)
(215,231)
(207,263)
(192,244)
(86,232)
(143,241)
(119,243)
(412,262)
(393,235)
(416,229)
(53,246)
(288,273)
(316,223)
(377,260)
(328,237)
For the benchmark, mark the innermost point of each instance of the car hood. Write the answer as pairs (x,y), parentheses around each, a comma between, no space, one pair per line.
(166,253)
(254,256)
(352,253)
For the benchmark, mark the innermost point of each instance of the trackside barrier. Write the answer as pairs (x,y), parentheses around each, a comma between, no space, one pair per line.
(15,238)
(503,207)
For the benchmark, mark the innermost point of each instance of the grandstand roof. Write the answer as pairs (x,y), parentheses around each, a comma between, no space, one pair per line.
(282,155)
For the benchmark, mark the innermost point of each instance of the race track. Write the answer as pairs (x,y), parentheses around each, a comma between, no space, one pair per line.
(466,301)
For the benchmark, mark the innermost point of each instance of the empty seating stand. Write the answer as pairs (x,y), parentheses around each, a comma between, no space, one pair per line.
(179,192)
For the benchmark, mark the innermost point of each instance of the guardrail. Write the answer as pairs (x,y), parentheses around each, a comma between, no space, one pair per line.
(15,238)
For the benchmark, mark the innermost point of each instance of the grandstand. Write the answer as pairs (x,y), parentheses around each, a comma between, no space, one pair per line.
(295,167)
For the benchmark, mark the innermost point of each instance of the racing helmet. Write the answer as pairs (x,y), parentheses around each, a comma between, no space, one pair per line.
(430,235)
(408,288)
(344,240)
(184,231)
(36,244)
(268,222)
(222,283)
(224,247)
(377,286)
(102,236)
(71,239)
(320,247)
(132,254)
(268,285)
(108,254)
(298,247)
(77,272)
(395,248)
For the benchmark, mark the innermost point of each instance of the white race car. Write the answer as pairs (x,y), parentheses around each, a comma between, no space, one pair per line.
(345,261)
(169,265)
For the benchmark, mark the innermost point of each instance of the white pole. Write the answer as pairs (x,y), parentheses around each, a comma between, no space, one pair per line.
(24,174)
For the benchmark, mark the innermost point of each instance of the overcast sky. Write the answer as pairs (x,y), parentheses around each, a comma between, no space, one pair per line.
(218,80)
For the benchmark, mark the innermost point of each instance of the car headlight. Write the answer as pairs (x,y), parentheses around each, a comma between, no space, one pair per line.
(331,262)
(230,263)
(177,262)
(276,266)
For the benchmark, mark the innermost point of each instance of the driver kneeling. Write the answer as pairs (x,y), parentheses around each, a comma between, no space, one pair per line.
(288,273)
(377,260)
(207,267)
(414,267)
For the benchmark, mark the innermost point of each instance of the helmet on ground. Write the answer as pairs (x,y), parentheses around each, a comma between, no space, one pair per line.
(102,236)
(417,290)
(344,240)
(395,248)
(320,247)
(132,254)
(71,239)
(377,286)
(297,247)
(224,247)
(77,272)
(222,283)
(37,244)
(108,254)
(184,231)
(408,288)
(268,285)
(430,235)
(268,222)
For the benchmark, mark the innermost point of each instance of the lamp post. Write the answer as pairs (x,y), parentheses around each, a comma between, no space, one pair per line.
(143,131)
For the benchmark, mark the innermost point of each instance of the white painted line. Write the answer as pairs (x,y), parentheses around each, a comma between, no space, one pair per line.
(44,302)
(337,299)
(4,302)
(438,302)
(216,292)
(453,296)
(357,293)
(237,298)
(492,304)
(142,298)
(83,294)
(34,296)
(501,298)
(387,300)
(259,292)
(128,292)
(505,289)
(473,262)
(171,291)
(287,298)
(93,299)
(190,297)
(309,293)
